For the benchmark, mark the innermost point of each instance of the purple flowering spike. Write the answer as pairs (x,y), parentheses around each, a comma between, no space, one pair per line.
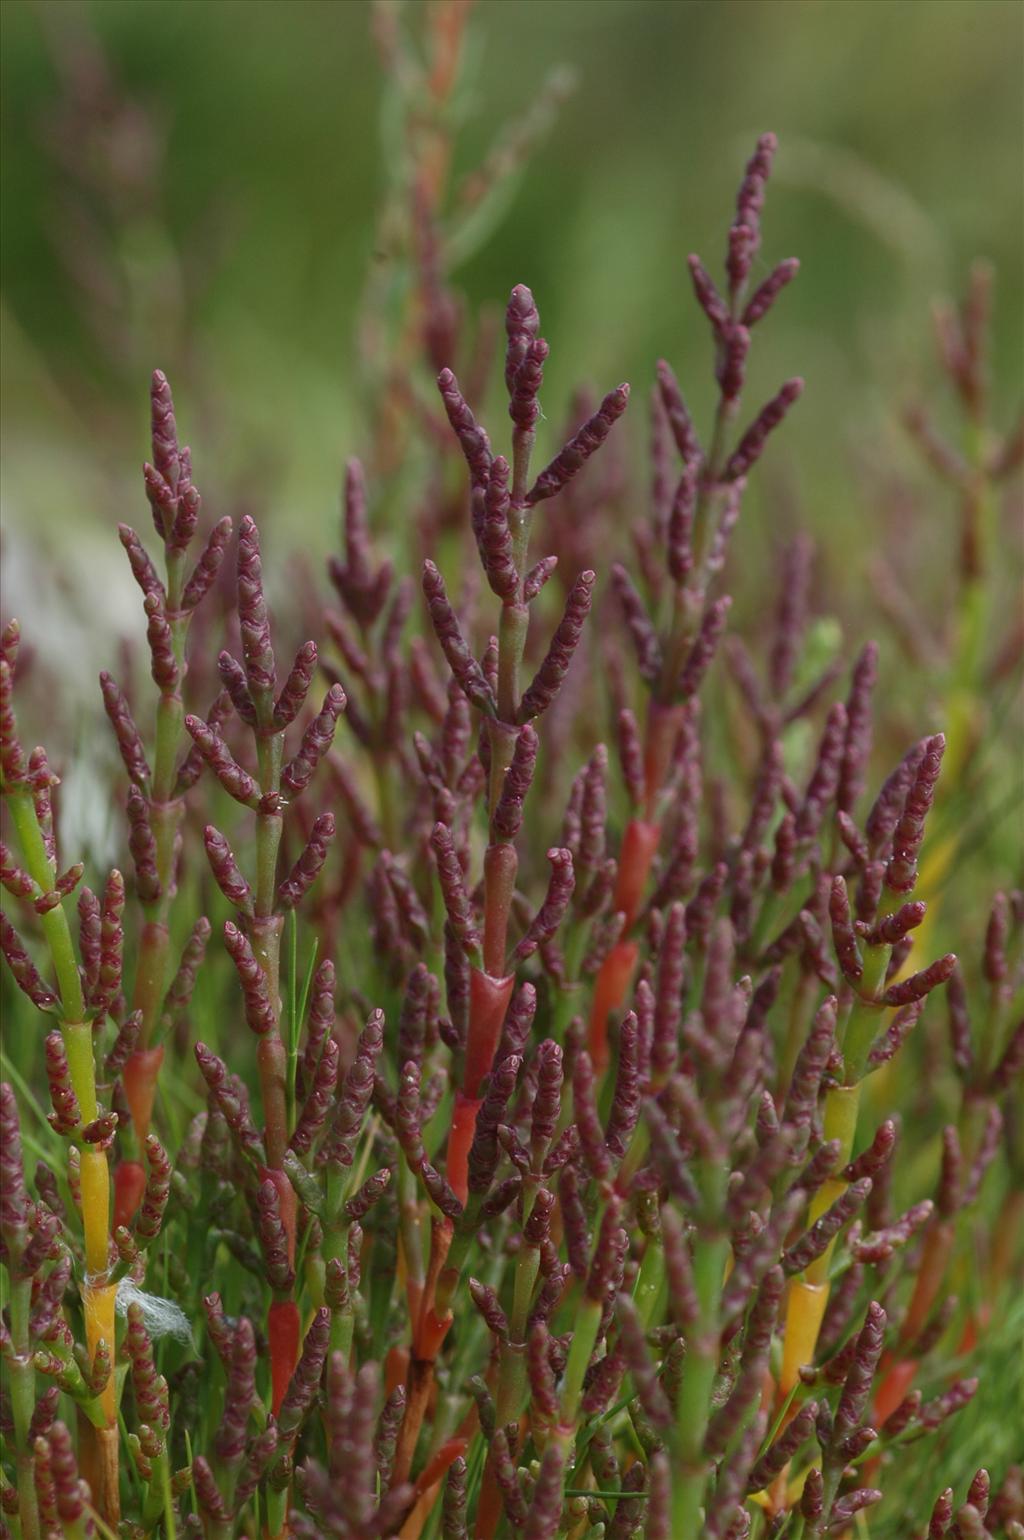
(922,983)
(164,430)
(844,937)
(296,687)
(821,787)
(163,662)
(142,569)
(641,627)
(472,439)
(206,570)
(745,231)
(547,1102)
(453,890)
(901,873)
(23,970)
(485,1151)
(537,576)
(548,679)
(495,537)
(888,805)
(857,747)
(708,297)
(580,447)
(631,759)
(552,911)
(129,739)
(238,783)
(574,1221)
(508,815)
(698,660)
(257,648)
(466,670)
(518,1022)
(592,1140)
(225,870)
(316,741)
(751,445)
(679,420)
(767,293)
(892,929)
(609,1254)
(810,1066)
(111,944)
(524,406)
(307,868)
(259,1011)
(522,323)
(90,940)
(854,1399)
(625,1108)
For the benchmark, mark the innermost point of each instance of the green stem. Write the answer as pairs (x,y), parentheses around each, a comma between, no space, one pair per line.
(862,1025)
(568,1002)
(21,1379)
(699,1366)
(335,1249)
(649,1280)
(581,1351)
(512,1389)
(277,1513)
(81,1064)
(154,1505)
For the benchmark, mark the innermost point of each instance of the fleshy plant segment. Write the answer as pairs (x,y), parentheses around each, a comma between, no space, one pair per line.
(484,1107)
(156,799)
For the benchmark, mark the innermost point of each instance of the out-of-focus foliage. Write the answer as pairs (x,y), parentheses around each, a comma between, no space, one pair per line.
(246,258)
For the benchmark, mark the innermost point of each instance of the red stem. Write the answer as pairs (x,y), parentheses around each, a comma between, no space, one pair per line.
(283,1332)
(488,1002)
(459,1141)
(435,1468)
(639,847)
(129,1186)
(140,1080)
(500,865)
(610,991)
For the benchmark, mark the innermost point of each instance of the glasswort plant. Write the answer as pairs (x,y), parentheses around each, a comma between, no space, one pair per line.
(508,1137)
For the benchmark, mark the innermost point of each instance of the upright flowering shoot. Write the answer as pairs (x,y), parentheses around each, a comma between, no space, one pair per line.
(676,631)
(502,500)
(255,943)
(156,796)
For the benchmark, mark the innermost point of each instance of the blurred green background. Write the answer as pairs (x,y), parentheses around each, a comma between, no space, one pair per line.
(240,263)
